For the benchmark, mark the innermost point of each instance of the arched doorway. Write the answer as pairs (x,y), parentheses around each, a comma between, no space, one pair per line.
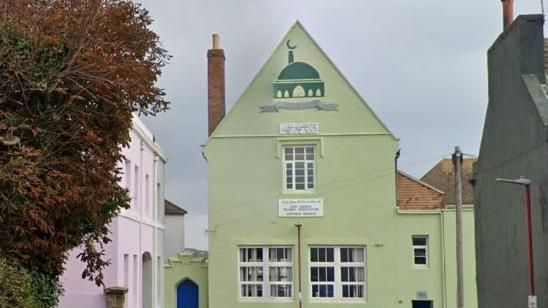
(147,280)
(187,294)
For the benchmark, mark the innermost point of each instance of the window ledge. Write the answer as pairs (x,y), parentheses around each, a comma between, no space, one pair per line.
(265,300)
(299,192)
(338,301)
(419,267)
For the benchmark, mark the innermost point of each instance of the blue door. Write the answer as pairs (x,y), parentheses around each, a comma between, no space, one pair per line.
(187,295)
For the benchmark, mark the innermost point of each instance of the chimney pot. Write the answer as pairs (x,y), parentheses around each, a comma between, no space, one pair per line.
(216,41)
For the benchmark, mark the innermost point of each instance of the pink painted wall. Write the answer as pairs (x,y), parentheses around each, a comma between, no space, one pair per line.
(136,231)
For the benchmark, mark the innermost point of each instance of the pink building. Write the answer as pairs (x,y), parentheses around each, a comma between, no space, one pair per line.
(136,252)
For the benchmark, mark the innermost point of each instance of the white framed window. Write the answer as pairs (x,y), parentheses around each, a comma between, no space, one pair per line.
(136,188)
(266,272)
(299,167)
(420,250)
(337,273)
(127,171)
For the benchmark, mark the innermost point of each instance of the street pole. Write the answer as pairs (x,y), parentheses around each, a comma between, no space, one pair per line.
(532,298)
(530,246)
(457,163)
(299,226)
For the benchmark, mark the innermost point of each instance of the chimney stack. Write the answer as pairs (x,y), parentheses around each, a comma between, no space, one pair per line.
(507,12)
(215,84)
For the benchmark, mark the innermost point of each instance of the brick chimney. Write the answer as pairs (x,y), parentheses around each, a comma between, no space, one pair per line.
(215,84)
(507,12)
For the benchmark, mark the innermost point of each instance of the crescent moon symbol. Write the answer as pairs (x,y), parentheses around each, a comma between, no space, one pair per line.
(289,45)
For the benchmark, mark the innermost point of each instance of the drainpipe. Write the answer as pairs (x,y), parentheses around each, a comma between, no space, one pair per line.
(397,177)
(443,266)
(299,226)
(154,207)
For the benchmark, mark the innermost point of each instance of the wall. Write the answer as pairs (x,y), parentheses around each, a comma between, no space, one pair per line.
(438,280)
(134,232)
(513,145)
(174,234)
(186,265)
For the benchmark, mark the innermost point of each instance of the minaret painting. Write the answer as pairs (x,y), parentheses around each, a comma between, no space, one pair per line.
(298,79)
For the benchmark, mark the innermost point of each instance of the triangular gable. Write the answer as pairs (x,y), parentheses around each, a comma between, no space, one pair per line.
(300,84)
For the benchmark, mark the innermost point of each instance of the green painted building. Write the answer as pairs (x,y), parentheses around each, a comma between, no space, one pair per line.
(303,209)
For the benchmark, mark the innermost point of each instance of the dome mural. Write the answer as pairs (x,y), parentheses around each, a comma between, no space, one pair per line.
(298,79)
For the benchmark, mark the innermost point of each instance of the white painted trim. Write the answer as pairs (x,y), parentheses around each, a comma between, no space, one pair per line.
(266,283)
(426,251)
(297,136)
(147,222)
(305,161)
(338,283)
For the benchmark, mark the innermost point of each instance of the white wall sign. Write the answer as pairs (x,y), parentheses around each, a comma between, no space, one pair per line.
(300,207)
(310,128)
(422,295)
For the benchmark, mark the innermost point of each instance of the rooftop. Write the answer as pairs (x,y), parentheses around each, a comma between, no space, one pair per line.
(173,209)
(442,176)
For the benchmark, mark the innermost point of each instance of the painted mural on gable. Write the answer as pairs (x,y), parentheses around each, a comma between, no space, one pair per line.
(298,80)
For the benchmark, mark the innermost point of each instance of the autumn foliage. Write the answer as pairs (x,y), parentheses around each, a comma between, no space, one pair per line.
(72,72)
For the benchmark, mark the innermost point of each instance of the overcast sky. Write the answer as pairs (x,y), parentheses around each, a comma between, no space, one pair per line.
(420,65)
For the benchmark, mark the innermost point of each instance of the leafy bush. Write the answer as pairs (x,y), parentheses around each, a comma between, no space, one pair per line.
(27,289)
(16,290)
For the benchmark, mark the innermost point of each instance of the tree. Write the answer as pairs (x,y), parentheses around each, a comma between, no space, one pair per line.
(72,72)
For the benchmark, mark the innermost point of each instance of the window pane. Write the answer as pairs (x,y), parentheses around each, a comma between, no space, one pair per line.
(352,274)
(314,254)
(281,274)
(419,240)
(251,254)
(251,273)
(323,291)
(330,291)
(314,273)
(288,153)
(310,153)
(352,255)
(420,260)
(252,290)
(259,252)
(350,291)
(321,254)
(344,254)
(330,274)
(420,252)
(288,169)
(330,255)
(289,184)
(299,153)
(280,290)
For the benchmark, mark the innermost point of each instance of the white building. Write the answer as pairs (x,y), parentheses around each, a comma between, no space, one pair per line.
(136,250)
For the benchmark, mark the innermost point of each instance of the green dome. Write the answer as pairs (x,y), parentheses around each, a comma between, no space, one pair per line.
(298,70)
